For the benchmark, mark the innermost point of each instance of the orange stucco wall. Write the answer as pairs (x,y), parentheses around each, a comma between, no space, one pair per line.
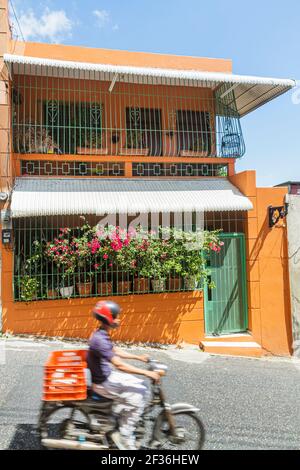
(267,268)
(119,57)
(167,317)
(162,318)
(173,317)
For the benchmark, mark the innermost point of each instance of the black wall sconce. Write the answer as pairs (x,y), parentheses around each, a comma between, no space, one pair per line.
(276,213)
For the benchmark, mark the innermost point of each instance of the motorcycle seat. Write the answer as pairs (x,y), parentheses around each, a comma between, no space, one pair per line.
(95,396)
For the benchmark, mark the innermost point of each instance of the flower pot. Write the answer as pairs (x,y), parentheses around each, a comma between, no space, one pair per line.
(193,153)
(104,288)
(174,283)
(141,284)
(66,292)
(124,287)
(158,285)
(190,283)
(91,151)
(84,289)
(51,294)
(138,151)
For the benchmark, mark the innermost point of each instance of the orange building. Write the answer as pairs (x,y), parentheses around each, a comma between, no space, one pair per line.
(141,138)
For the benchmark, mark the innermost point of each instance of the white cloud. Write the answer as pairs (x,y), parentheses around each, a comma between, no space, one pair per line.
(103,17)
(51,25)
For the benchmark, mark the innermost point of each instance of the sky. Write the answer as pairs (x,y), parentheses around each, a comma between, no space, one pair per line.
(261,37)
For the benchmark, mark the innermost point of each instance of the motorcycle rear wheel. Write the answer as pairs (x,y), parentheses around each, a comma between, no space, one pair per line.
(59,421)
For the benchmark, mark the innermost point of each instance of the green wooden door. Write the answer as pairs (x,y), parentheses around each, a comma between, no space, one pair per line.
(226,309)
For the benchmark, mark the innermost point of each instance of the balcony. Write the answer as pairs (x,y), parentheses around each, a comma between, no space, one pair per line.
(58,117)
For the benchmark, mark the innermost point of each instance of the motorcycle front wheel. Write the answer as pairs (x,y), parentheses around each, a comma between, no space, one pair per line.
(189,435)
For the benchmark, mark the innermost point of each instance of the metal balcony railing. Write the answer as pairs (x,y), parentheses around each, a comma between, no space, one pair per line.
(54,115)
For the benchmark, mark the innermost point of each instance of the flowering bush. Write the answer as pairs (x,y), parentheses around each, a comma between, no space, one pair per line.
(167,252)
(62,253)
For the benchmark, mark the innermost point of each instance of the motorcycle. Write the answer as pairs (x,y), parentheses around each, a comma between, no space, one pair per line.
(88,424)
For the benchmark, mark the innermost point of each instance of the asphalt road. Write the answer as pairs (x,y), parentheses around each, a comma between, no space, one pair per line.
(244,403)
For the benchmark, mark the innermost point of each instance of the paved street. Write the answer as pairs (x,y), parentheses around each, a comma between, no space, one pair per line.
(245,403)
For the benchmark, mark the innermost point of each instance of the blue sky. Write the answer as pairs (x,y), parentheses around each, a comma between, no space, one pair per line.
(261,37)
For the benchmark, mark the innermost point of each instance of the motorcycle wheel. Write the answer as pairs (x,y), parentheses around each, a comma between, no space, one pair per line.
(190,432)
(58,422)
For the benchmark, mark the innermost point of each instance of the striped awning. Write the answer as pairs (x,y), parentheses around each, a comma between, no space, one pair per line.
(249,92)
(41,197)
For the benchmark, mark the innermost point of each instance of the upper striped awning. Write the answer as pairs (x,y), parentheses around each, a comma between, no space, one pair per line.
(249,92)
(41,197)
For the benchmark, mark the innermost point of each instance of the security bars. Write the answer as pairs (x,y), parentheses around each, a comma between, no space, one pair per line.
(38,278)
(63,115)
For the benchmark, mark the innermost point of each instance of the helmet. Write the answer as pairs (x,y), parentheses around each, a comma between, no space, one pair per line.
(106,312)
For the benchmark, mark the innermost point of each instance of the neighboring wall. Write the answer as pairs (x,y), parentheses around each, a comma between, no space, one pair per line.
(267,268)
(4,102)
(293,230)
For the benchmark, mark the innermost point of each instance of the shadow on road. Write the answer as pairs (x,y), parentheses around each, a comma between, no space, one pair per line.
(25,438)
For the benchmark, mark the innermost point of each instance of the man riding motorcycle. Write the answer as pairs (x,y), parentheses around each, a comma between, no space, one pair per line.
(111,376)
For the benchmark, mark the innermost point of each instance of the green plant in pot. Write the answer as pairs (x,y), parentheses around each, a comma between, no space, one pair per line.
(156,265)
(196,247)
(28,288)
(91,138)
(134,139)
(62,253)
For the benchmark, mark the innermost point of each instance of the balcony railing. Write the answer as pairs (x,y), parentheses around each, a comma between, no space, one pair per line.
(52,116)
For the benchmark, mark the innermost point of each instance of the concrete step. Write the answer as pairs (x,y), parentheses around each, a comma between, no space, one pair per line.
(234,346)
(240,337)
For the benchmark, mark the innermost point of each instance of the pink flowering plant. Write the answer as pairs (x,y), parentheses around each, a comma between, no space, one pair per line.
(87,250)
(61,251)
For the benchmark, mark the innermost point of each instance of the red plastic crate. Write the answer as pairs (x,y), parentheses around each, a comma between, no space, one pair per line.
(64,376)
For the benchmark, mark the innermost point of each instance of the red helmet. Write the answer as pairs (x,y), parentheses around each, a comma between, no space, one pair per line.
(106,312)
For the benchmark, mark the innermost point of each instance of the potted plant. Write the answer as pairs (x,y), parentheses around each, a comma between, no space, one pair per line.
(104,286)
(91,142)
(198,147)
(62,253)
(135,143)
(123,256)
(155,266)
(28,288)
(195,250)
(66,288)
(84,285)
(32,138)
(140,265)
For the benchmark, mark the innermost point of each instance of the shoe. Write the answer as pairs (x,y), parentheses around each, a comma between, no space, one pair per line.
(121,442)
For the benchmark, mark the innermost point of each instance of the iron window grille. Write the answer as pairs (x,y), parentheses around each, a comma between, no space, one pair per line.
(44,281)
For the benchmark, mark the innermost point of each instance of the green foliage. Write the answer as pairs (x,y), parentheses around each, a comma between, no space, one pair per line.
(28,288)
(90,138)
(134,139)
(86,250)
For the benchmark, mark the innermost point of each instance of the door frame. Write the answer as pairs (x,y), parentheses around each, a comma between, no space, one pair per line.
(244,299)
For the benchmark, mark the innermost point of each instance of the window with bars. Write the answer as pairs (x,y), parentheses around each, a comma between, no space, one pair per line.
(43,274)
(194,133)
(144,130)
(74,127)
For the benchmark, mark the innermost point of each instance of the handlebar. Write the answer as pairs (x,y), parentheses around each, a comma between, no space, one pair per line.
(158,367)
